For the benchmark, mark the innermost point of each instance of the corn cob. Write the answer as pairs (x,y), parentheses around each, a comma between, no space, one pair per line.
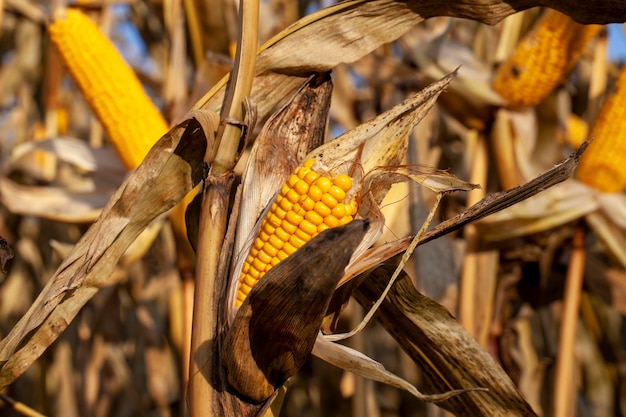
(602,165)
(132,122)
(308,204)
(542,59)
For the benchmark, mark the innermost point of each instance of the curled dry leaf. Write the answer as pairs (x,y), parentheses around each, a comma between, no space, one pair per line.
(274,330)
(171,169)
(561,204)
(449,357)
(489,205)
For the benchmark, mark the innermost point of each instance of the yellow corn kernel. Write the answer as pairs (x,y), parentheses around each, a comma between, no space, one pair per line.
(542,59)
(132,122)
(316,203)
(602,164)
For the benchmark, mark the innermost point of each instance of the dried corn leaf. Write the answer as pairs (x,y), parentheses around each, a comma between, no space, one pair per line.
(75,152)
(354,361)
(274,330)
(53,203)
(561,204)
(171,169)
(449,357)
(489,205)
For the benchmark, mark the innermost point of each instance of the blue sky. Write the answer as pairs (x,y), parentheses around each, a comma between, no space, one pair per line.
(617,42)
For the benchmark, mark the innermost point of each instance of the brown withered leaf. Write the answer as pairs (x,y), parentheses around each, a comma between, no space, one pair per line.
(448,356)
(6,254)
(171,169)
(275,328)
(491,204)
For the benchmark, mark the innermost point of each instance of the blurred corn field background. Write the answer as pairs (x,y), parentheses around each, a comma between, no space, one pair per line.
(540,286)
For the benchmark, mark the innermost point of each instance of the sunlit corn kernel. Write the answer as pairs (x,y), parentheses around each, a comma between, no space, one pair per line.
(314,218)
(258,265)
(268,229)
(307,203)
(302,171)
(330,201)
(322,227)
(345,220)
(288,248)
(249,281)
(295,241)
(315,192)
(308,227)
(289,228)
(337,193)
(283,234)
(258,243)
(254,252)
(264,236)
(274,220)
(331,221)
(253,272)
(293,218)
(282,255)
(310,177)
(324,184)
(292,180)
(301,187)
(343,181)
(285,204)
(321,209)
(309,163)
(301,234)
(293,196)
(275,261)
(240,294)
(264,257)
(270,249)
(276,242)
(280,213)
(285,189)
(339,211)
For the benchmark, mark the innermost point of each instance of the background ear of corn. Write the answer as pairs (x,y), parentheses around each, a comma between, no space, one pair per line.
(132,122)
(542,59)
(603,165)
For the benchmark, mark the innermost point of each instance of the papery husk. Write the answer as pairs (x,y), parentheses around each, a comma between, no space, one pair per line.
(447,354)
(554,207)
(352,360)
(173,163)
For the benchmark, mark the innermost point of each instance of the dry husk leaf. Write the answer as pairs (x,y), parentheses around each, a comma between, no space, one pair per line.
(176,165)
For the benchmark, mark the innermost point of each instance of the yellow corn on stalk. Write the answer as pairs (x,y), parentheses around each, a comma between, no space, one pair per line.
(132,122)
(308,203)
(602,166)
(542,59)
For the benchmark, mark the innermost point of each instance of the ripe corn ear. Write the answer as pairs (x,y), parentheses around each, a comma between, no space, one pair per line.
(602,165)
(308,203)
(132,122)
(542,59)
